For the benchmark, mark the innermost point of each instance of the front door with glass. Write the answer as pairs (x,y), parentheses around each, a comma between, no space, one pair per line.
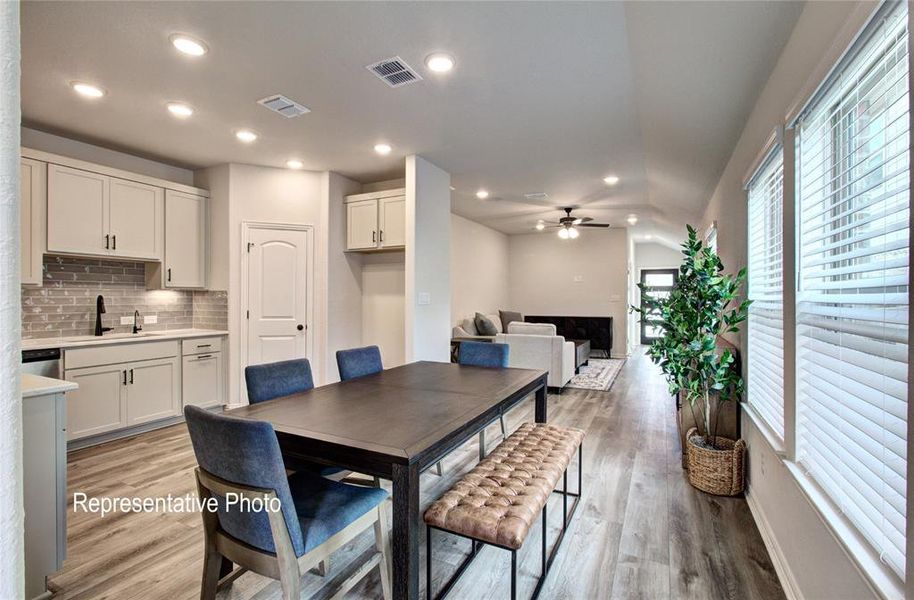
(659,283)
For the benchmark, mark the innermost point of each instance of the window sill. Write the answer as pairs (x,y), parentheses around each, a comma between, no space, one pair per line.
(773,439)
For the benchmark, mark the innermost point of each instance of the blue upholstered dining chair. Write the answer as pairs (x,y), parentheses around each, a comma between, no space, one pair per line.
(240,459)
(359,362)
(274,380)
(485,354)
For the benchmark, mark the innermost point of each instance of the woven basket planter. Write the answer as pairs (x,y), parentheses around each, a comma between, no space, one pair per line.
(718,472)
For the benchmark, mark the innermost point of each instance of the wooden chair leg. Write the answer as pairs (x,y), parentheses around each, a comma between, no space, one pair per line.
(290,581)
(212,564)
(323,567)
(382,543)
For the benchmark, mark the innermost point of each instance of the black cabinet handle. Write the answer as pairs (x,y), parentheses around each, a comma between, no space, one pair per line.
(204,356)
(169,274)
(114,242)
(131,375)
(382,235)
(125,376)
(374,237)
(300,327)
(107,241)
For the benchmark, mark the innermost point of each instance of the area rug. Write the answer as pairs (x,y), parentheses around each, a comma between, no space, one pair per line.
(599,374)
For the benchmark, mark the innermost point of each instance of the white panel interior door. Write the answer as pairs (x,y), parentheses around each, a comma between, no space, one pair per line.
(393,222)
(136,219)
(277,289)
(77,211)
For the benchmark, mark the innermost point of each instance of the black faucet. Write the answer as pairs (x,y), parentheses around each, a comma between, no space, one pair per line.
(99,310)
(136,317)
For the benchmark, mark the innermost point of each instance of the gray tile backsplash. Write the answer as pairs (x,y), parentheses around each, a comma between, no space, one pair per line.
(65,305)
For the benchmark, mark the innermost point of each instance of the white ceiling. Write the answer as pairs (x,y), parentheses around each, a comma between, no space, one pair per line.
(545,97)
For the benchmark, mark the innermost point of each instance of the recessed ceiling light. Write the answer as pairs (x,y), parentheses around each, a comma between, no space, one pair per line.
(632,219)
(87,89)
(648,237)
(382,149)
(540,226)
(295,164)
(188,45)
(453,188)
(439,62)
(245,135)
(180,110)
(482,194)
(611,180)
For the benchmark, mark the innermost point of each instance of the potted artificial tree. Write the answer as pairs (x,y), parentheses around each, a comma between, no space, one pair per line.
(703,306)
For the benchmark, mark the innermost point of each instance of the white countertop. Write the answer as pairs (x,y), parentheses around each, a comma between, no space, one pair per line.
(117,338)
(36,385)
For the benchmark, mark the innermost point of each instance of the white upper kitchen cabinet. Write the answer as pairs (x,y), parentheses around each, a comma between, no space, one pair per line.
(392,216)
(33,194)
(78,211)
(376,221)
(185,241)
(362,225)
(136,219)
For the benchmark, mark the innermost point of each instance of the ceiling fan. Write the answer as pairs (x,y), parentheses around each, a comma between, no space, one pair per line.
(568,225)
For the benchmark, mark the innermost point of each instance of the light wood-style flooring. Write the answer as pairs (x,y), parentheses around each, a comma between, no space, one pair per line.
(640,532)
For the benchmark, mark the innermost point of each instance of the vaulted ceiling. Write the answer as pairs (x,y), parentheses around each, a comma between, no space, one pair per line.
(545,97)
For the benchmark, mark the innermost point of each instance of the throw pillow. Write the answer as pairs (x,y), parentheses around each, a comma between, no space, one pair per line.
(508,317)
(485,326)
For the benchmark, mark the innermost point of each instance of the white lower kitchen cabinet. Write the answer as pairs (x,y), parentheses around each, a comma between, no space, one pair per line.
(99,405)
(202,380)
(153,391)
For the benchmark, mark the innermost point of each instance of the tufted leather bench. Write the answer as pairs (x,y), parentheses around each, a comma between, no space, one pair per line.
(498,501)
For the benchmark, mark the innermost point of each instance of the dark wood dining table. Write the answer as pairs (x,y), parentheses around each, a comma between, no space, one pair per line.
(394,425)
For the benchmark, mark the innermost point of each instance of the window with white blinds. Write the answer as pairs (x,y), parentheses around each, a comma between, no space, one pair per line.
(852,297)
(765,330)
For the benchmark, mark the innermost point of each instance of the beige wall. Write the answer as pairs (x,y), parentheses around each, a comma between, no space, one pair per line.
(428,261)
(344,275)
(809,560)
(479,269)
(649,255)
(383,305)
(583,277)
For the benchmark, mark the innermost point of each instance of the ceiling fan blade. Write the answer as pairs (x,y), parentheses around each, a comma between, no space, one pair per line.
(583,220)
(603,225)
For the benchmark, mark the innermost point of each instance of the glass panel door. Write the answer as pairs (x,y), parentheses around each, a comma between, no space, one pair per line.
(660,283)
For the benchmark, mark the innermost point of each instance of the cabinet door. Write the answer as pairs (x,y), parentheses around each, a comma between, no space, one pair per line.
(185,240)
(393,222)
(136,219)
(77,211)
(201,380)
(99,403)
(33,180)
(153,390)
(362,225)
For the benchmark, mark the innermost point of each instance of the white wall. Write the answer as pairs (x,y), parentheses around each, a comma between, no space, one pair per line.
(12,578)
(479,269)
(344,275)
(55,144)
(586,277)
(384,305)
(649,255)
(809,559)
(428,262)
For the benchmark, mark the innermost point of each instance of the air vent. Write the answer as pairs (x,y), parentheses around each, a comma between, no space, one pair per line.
(394,72)
(282,105)
(536,197)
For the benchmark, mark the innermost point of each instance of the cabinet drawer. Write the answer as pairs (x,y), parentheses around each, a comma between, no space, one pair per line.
(119,353)
(204,345)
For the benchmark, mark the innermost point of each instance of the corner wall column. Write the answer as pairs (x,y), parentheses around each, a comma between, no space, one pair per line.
(12,584)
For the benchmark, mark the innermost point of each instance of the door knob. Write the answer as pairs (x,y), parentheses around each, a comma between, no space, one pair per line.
(300,327)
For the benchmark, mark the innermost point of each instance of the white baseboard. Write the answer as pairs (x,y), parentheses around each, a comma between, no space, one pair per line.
(781,566)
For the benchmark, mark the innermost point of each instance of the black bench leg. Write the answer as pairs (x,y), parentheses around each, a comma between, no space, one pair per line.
(565,500)
(428,562)
(514,575)
(580,469)
(544,541)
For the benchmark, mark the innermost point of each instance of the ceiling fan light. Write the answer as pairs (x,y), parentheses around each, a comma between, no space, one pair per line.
(563,233)
(573,233)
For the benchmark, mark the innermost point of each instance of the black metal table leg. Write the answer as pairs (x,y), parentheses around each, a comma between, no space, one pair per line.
(405,538)
(541,402)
